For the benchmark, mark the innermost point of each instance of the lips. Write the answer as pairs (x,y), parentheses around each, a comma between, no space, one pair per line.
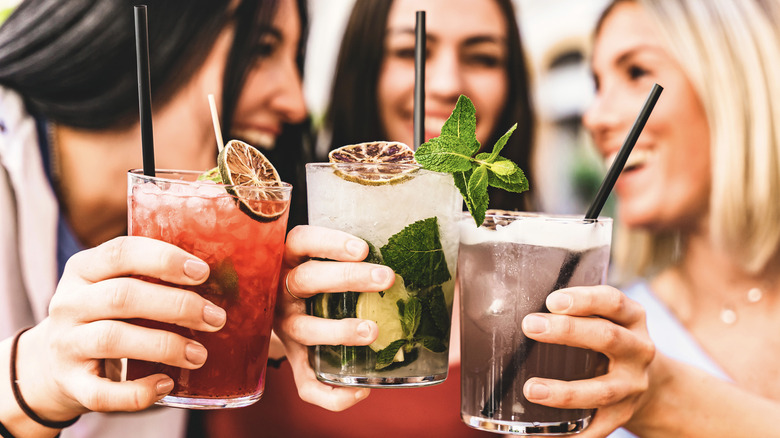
(262,139)
(636,159)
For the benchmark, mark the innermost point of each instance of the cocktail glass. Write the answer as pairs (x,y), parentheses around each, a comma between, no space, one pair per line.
(244,254)
(409,217)
(506,269)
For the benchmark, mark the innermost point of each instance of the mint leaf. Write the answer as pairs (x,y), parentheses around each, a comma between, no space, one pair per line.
(386,355)
(454,152)
(444,154)
(462,123)
(515,182)
(415,253)
(477,190)
(435,306)
(501,143)
(432,343)
(411,317)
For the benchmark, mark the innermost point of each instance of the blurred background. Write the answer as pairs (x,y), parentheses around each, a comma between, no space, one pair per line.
(557,36)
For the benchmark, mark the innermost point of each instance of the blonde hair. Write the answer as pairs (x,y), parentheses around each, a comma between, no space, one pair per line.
(730,51)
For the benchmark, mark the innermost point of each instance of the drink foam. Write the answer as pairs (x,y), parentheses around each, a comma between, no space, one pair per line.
(552,231)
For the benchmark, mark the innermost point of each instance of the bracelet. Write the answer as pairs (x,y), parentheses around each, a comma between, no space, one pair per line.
(18,393)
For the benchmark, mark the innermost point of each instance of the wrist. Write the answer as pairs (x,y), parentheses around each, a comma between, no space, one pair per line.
(30,387)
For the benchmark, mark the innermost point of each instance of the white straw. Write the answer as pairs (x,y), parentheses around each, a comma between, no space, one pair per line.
(215,120)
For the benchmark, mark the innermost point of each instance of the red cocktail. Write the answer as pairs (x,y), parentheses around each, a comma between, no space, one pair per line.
(244,252)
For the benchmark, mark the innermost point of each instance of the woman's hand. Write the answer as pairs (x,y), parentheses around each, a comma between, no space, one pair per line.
(618,331)
(302,278)
(62,363)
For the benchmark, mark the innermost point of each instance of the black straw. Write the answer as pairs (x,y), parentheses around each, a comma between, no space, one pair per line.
(419,80)
(620,160)
(506,381)
(144,89)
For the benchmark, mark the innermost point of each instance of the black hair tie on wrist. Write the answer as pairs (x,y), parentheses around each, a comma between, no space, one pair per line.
(18,393)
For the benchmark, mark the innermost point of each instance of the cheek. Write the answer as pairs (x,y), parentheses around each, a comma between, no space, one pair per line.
(489,96)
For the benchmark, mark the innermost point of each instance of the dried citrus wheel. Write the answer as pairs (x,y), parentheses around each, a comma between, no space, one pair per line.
(244,168)
(357,162)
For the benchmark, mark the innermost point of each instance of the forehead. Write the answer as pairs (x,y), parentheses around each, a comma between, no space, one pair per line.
(287,19)
(627,28)
(449,17)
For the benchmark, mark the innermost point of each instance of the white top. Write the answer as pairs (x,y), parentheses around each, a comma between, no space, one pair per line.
(670,337)
(28,263)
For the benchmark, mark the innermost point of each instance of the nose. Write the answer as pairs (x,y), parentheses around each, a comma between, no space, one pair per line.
(443,75)
(602,116)
(288,101)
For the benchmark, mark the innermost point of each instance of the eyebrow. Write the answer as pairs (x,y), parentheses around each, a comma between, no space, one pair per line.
(625,56)
(478,39)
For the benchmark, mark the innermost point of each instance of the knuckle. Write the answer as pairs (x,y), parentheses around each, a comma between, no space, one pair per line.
(605,396)
(565,395)
(610,336)
(296,233)
(647,351)
(109,335)
(115,251)
(165,345)
(120,295)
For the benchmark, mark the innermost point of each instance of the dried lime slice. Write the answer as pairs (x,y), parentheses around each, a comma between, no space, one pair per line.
(356,162)
(243,168)
(383,309)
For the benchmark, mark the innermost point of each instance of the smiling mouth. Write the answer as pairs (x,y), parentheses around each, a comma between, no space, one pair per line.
(259,139)
(636,159)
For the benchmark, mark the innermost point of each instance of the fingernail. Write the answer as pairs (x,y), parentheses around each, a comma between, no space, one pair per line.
(558,301)
(195,269)
(364,329)
(534,324)
(361,394)
(356,247)
(164,386)
(195,353)
(538,391)
(214,315)
(381,275)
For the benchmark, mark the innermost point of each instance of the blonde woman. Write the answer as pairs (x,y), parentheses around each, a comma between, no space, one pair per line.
(699,199)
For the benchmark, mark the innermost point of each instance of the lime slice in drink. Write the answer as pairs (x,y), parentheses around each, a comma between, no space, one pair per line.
(383,309)
(357,162)
(243,168)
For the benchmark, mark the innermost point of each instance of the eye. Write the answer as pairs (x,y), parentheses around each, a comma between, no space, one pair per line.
(266,45)
(636,72)
(484,60)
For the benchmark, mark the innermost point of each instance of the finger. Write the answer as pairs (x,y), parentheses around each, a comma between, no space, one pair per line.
(592,393)
(314,276)
(315,392)
(135,255)
(117,339)
(102,395)
(592,333)
(123,298)
(310,330)
(604,301)
(305,241)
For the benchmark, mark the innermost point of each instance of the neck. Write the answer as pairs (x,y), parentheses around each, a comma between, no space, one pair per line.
(92,180)
(708,282)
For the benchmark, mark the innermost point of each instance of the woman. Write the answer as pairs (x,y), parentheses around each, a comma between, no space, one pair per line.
(699,198)
(473,48)
(68,134)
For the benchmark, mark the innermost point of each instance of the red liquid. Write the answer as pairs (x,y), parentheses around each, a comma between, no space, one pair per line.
(245,257)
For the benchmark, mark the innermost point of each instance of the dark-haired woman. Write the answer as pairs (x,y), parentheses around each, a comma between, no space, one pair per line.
(473,48)
(68,135)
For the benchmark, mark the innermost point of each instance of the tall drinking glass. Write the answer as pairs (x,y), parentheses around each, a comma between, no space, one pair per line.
(409,217)
(506,269)
(244,254)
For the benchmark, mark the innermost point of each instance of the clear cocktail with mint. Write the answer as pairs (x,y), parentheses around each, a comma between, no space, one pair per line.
(239,231)
(409,216)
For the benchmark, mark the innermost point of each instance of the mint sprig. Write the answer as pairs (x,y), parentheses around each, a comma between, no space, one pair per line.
(456,151)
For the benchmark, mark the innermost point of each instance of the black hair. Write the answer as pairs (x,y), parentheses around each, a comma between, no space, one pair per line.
(352,116)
